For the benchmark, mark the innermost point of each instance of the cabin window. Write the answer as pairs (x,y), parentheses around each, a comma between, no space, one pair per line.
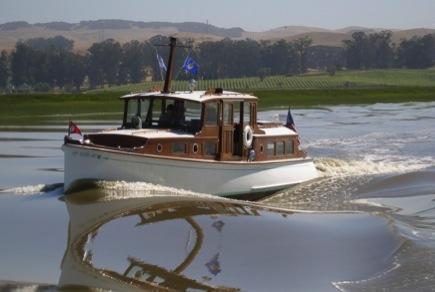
(192,115)
(178,148)
(144,107)
(211,113)
(210,148)
(132,111)
(236,112)
(228,117)
(271,148)
(159,148)
(280,148)
(157,111)
(171,114)
(289,148)
(246,113)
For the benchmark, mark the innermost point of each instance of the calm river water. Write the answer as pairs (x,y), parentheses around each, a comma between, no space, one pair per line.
(367,224)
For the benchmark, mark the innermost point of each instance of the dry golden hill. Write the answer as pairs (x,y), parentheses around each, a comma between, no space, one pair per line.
(87,32)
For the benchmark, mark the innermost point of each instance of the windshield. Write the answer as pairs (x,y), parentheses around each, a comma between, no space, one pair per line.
(157,112)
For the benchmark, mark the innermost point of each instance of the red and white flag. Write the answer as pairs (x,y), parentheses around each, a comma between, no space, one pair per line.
(73,129)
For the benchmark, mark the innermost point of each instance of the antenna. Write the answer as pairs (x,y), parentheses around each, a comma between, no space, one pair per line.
(172,44)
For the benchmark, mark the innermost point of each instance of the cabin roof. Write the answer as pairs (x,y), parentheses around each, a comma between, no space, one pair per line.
(199,96)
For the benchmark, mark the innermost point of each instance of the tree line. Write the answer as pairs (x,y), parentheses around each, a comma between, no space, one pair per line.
(377,51)
(42,64)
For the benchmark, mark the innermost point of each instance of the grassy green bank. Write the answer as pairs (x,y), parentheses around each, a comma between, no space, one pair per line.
(58,108)
(313,80)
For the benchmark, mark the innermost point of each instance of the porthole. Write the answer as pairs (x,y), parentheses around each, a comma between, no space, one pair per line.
(195,148)
(159,148)
(261,148)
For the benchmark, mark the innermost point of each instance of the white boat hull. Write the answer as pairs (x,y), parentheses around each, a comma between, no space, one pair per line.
(218,178)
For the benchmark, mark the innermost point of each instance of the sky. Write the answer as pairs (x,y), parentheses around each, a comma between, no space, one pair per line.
(252,15)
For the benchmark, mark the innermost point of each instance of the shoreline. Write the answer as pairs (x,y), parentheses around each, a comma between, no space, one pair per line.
(54,107)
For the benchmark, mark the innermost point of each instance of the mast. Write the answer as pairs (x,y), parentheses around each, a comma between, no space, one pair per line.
(168,77)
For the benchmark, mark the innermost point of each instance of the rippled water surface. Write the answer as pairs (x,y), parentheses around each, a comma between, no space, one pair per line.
(366,224)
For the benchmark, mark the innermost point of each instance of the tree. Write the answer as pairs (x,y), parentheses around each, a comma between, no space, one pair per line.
(369,51)
(382,53)
(39,68)
(21,60)
(76,70)
(133,62)
(57,66)
(263,73)
(301,45)
(281,57)
(416,52)
(104,60)
(357,53)
(4,69)
(324,57)
(58,42)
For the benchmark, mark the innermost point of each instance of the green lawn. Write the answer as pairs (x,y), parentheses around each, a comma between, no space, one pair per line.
(59,108)
(343,79)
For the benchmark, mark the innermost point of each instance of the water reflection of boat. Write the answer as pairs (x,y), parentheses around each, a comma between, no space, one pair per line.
(205,141)
(88,215)
(141,243)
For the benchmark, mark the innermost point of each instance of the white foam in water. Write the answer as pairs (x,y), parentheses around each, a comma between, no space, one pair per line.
(25,190)
(371,164)
(123,189)
(34,189)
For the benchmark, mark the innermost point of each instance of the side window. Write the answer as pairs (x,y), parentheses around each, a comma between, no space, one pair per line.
(271,149)
(211,113)
(210,148)
(144,107)
(132,108)
(236,112)
(228,117)
(246,113)
(289,148)
(280,148)
(178,148)
(192,111)
(192,115)
(157,111)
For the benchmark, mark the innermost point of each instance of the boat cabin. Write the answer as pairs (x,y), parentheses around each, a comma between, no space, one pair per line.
(210,125)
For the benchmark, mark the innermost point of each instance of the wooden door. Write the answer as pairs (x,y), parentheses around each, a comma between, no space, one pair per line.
(226,132)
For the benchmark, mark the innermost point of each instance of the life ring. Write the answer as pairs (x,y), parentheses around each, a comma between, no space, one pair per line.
(248,136)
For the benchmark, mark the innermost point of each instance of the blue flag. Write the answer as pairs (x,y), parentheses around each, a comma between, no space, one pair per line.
(162,64)
(190,66)
(290,123)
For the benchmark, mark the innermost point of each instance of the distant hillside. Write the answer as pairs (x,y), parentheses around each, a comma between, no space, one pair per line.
(336,38)
(115,24)
(85,33)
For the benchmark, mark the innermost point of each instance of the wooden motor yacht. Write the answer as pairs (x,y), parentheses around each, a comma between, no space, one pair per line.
(203,141)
